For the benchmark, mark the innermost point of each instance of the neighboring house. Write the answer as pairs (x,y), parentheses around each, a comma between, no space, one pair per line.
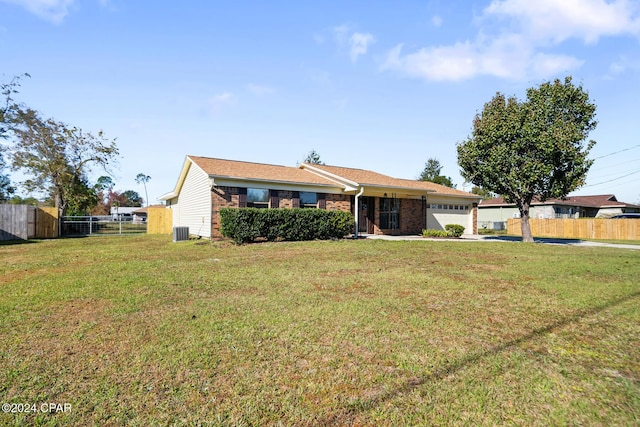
(600,206)
(380,204)
(122,212)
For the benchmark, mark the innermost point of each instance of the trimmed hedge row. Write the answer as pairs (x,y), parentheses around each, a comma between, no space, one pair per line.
(245,225)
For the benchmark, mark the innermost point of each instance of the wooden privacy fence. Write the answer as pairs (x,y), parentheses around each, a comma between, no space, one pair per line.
(159,220)
(582,228)
(22,222)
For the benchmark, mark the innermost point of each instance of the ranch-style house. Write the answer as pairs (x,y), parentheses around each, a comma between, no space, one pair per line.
(380,204)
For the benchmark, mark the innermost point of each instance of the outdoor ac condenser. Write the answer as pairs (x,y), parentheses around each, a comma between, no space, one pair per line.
(180,234)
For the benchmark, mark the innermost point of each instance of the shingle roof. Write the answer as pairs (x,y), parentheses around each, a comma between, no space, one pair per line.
(366,177)
(259,171)
(222,168)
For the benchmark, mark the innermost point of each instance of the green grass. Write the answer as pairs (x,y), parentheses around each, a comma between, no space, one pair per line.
(138,330)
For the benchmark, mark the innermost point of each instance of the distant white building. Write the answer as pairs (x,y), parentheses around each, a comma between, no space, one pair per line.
(121,212)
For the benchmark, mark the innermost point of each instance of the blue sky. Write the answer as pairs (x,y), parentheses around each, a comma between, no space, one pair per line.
(369,84)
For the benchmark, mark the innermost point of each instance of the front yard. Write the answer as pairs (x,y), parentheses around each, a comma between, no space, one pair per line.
(138,330)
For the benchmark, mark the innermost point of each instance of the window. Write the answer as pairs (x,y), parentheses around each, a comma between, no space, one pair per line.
(257,198)
(389,213)
(308,200)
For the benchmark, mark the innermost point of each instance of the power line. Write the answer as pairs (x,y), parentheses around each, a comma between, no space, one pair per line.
(615,165)
(614,179)
(617,152)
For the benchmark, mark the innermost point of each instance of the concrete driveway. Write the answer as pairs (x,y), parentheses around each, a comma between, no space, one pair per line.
(481,238)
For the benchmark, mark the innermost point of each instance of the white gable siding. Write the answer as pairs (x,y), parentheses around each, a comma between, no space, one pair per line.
(193,207)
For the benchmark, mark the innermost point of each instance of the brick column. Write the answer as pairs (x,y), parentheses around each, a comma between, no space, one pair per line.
(475,218)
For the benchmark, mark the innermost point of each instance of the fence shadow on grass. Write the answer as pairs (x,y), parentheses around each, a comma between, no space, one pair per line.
(351,410)
(17,242)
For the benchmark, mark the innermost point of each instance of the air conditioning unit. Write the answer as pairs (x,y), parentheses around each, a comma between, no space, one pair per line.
(180,234)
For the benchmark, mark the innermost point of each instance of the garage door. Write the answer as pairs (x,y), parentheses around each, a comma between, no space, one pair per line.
(438,216)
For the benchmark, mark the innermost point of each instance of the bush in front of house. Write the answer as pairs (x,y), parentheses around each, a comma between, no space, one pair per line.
(455,230)
(450,230)
(245,225)
(430,232)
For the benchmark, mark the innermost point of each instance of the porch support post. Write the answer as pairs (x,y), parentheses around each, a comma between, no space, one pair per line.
(357,212)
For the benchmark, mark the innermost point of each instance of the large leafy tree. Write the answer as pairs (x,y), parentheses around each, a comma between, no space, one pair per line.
(431,172)
(532,148)
(58,158)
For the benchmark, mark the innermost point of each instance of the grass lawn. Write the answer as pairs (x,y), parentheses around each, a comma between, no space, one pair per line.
(141,331)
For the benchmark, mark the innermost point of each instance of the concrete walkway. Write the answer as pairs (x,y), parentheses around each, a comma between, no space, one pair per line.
(482,238)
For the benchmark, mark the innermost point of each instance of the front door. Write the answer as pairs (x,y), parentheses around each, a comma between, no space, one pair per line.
(365,214)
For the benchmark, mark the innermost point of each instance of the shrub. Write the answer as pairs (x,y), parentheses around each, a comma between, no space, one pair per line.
(247,224)
(434,233)
(455,230)
(451,230)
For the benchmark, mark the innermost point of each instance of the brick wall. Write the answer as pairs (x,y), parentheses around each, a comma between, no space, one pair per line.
(411,213)
(338,202)
(227,197)
(411,218)
(221,197)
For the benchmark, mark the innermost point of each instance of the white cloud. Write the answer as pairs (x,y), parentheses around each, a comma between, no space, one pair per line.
(514,38)
(359,43)
(559,20)
(259,90)
(49,10)
(356,43)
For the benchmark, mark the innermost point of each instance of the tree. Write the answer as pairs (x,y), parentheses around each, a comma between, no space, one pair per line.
(485,194)
(17,200)
(58,157)
(313,158)
(8,109)
(6,189)
(81,197)
(131,198)
(142,178)
(432,171)
(532,148)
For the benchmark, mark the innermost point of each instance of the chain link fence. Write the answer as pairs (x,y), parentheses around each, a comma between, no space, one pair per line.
(101,225)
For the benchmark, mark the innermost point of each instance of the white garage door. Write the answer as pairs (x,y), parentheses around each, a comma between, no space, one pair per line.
(439,215)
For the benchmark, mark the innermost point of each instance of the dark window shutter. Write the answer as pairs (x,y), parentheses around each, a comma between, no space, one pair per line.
(242,197)
(274,201)
(322,202)
(295,199)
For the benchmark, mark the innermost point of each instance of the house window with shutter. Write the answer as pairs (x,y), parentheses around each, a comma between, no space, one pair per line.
(257,198)
(308,200)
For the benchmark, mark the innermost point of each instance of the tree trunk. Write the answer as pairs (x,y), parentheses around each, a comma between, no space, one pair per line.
(524,223)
